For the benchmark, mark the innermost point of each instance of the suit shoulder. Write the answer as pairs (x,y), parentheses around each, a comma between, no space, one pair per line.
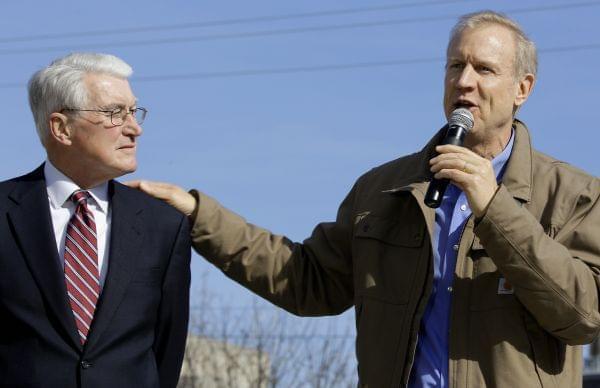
(159,209)
(8,185)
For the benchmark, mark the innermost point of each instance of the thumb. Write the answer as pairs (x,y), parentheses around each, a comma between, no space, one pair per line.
(135,184)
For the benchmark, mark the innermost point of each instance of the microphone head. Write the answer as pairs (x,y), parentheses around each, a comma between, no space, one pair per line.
(461,117)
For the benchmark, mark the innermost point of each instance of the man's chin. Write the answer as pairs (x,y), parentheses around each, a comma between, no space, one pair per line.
(129,170)
(124,170)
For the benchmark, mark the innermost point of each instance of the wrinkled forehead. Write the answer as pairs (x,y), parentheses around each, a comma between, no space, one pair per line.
(485,37)
(105,89)
(492,44)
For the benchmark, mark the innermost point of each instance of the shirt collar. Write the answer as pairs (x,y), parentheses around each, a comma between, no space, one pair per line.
(499,162)
(60,187)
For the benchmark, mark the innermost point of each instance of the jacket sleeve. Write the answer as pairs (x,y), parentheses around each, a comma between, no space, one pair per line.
(554,272)
(172,324)
(310,278)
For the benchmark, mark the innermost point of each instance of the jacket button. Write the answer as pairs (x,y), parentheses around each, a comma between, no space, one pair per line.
(85,364)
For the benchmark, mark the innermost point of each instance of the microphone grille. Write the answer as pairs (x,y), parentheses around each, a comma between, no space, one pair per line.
(461,117)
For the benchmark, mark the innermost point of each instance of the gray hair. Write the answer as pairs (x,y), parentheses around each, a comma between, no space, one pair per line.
(525,55)
(60,85)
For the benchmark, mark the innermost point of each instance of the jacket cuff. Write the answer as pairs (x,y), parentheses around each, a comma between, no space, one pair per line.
(205,206)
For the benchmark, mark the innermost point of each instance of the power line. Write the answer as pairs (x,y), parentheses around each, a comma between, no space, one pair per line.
(214,23)
(271,71)
(310,69)
(278,32)
(333,67)
(560,49)
(285,70)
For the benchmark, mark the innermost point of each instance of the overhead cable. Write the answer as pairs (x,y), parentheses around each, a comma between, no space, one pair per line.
(310,69)
(276,32)
(223,22)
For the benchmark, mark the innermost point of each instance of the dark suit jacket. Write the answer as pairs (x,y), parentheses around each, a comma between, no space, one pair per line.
(137,337)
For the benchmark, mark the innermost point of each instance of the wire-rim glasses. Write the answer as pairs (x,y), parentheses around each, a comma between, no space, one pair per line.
(118,115)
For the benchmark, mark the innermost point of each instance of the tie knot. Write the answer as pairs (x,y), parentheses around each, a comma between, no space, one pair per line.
(79,196)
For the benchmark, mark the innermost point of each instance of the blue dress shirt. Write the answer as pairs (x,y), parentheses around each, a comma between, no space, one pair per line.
(430,368)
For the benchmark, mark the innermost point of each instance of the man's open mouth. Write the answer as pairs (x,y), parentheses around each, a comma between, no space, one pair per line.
(464,104)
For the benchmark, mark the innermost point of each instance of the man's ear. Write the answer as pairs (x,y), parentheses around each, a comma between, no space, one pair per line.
(60,130)
(524,88)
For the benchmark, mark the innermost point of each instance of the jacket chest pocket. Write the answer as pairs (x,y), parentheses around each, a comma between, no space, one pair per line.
(386,254)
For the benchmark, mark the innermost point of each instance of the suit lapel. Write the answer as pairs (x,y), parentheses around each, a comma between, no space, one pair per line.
(32,225)
(125,243)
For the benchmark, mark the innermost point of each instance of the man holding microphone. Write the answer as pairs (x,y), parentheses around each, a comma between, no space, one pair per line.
(495,287)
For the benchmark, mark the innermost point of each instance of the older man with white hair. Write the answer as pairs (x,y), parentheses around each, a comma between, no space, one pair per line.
(93,291)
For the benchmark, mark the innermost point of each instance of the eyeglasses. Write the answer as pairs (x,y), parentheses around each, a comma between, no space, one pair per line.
(117,115)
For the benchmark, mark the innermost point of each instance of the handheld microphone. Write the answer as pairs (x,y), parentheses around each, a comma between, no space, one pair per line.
(461,122)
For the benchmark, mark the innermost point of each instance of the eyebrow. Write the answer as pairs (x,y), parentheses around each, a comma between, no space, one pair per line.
(117,105)
(485,62)
(476,62)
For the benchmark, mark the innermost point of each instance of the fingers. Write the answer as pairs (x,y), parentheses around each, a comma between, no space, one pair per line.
(452,164)
(449,148)
(154,189)
(159,190)
(455,152)
(458,177)
(459,158)
(473,174)
(171,194)
(461,163)
(135,184)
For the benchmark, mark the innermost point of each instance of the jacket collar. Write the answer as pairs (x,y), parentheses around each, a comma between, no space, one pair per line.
(517,177)
(519,170)
(419,175)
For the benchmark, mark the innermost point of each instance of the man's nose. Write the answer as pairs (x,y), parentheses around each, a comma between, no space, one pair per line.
(131,127)
(467,77)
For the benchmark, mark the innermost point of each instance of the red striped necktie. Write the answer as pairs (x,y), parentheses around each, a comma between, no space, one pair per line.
(81,264)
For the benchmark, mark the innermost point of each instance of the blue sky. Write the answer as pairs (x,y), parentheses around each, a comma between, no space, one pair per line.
(283,147)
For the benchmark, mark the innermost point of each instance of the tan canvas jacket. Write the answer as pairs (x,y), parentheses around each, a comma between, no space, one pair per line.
(525,291)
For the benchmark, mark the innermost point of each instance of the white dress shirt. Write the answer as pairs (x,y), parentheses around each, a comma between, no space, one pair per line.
(60,188)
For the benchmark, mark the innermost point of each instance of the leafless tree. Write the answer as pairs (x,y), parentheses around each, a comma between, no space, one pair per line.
(264,347)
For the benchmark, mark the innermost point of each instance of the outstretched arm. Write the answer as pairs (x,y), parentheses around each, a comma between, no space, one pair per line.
(309,278)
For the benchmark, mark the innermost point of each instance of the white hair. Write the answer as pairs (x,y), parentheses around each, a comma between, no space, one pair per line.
(60,85)
(525,53)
